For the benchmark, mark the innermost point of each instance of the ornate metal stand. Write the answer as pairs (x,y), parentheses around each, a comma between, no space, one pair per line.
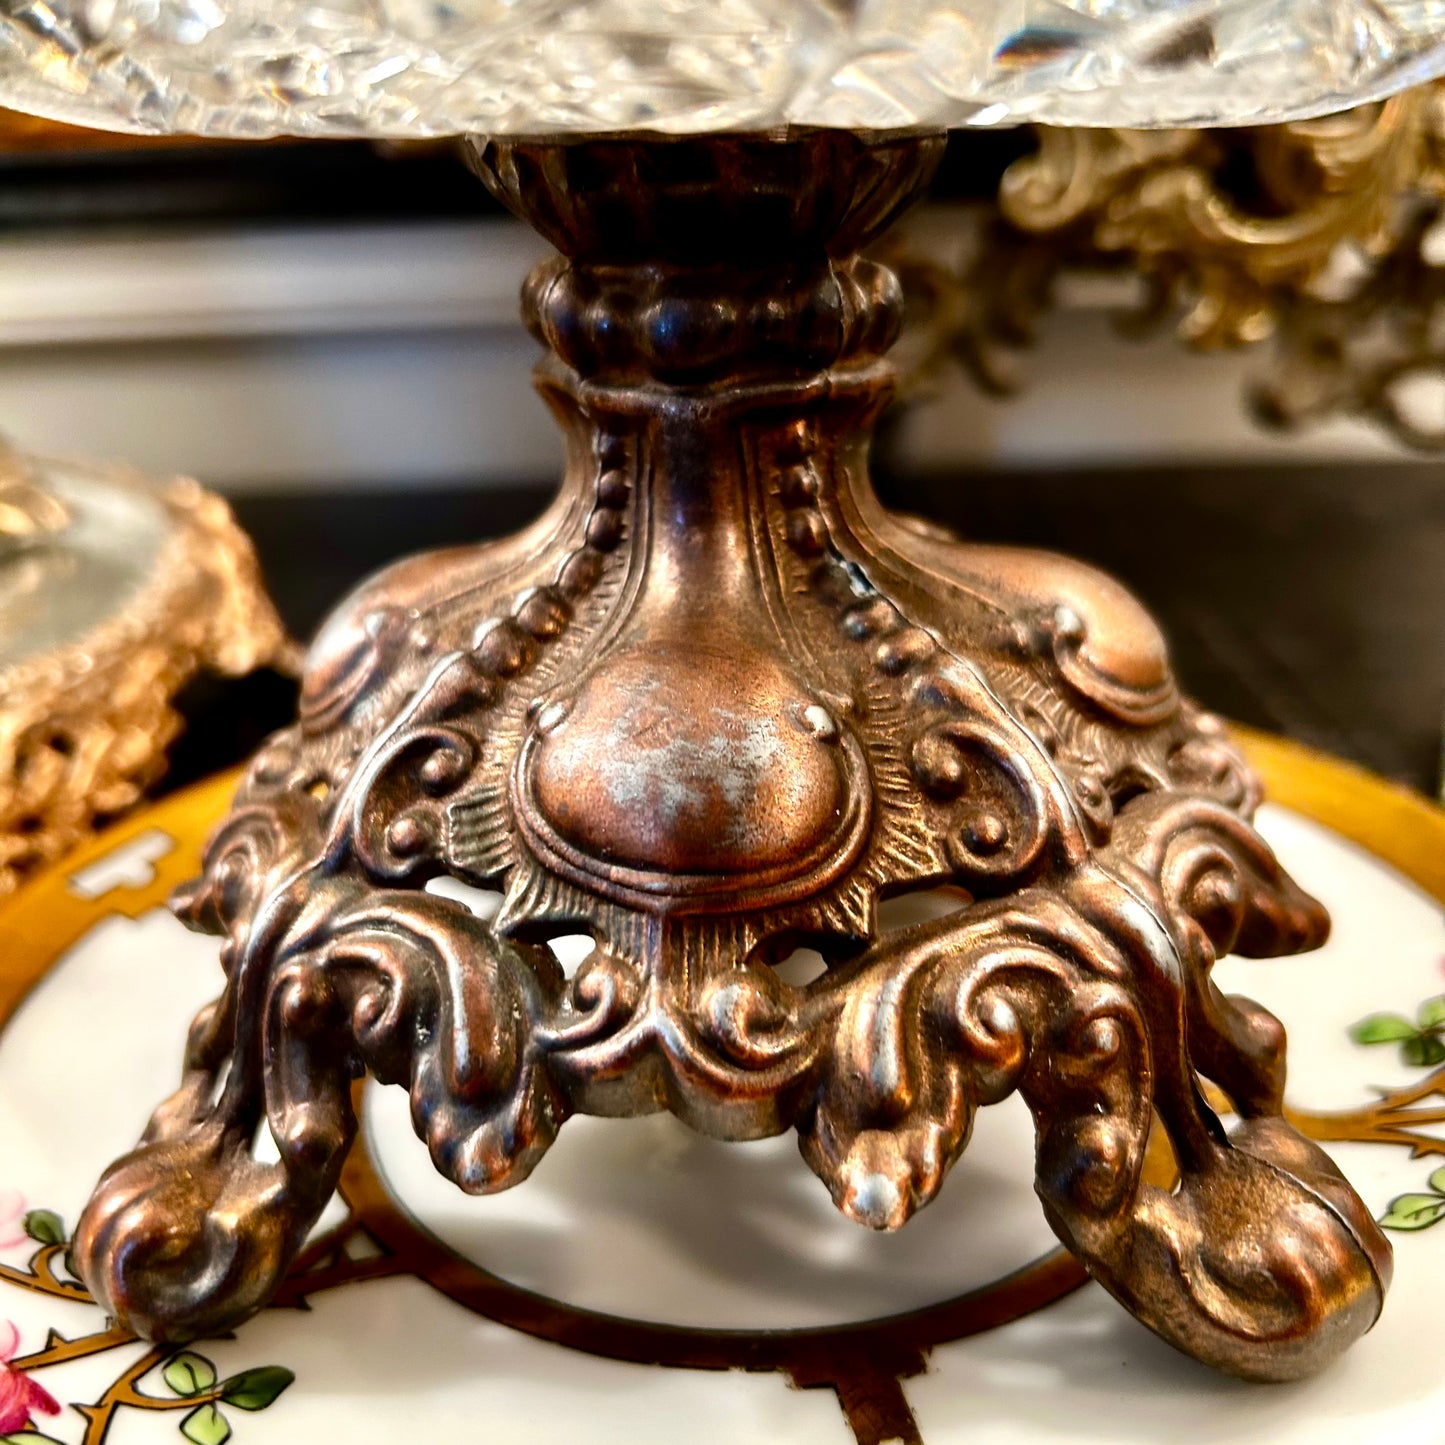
(712,707)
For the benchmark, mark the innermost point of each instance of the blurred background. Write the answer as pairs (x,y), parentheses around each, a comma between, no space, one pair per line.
(327,334)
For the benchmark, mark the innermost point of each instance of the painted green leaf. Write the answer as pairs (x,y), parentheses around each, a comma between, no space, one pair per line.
(1383,1029)
(28,1437)
(255,1389)
(205,1425)
(44,1226)
(1437,1180)
(1424,1050)
(189,1373)
(1432,1012)
(1413,1211)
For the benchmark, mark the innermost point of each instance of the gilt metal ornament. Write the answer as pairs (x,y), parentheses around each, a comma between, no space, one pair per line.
(1319,240)
(114,592)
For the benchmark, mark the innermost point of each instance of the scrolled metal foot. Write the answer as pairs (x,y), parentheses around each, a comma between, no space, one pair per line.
(715,704)
(1262,1261)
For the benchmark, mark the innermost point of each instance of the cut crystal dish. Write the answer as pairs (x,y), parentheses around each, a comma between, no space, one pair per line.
(416,68)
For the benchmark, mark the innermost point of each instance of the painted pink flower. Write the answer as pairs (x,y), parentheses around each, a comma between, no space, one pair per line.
(20,1396)
(12,1219)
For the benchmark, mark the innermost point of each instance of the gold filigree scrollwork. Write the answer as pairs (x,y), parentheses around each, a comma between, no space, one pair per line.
(1316,235)
(1225,225)
(84,728)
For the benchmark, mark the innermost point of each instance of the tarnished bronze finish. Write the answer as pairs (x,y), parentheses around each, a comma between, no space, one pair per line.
(712,707)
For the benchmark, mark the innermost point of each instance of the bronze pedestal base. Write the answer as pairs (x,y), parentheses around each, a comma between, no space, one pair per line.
(709,709)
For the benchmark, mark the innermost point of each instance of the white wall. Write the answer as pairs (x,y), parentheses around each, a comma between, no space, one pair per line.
(375,354)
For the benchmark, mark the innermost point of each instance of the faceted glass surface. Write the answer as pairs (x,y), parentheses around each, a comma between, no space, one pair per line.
(59,586)
(436,67)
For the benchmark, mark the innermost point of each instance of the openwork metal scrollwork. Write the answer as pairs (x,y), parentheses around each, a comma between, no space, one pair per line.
(1320,237)
(713,706)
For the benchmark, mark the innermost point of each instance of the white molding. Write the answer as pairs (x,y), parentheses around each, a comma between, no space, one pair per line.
(67,289)
(1093,398)
(371,355)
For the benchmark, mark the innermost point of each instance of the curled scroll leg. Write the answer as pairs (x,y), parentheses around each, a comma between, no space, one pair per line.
(189,1233)
(1264,1262)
